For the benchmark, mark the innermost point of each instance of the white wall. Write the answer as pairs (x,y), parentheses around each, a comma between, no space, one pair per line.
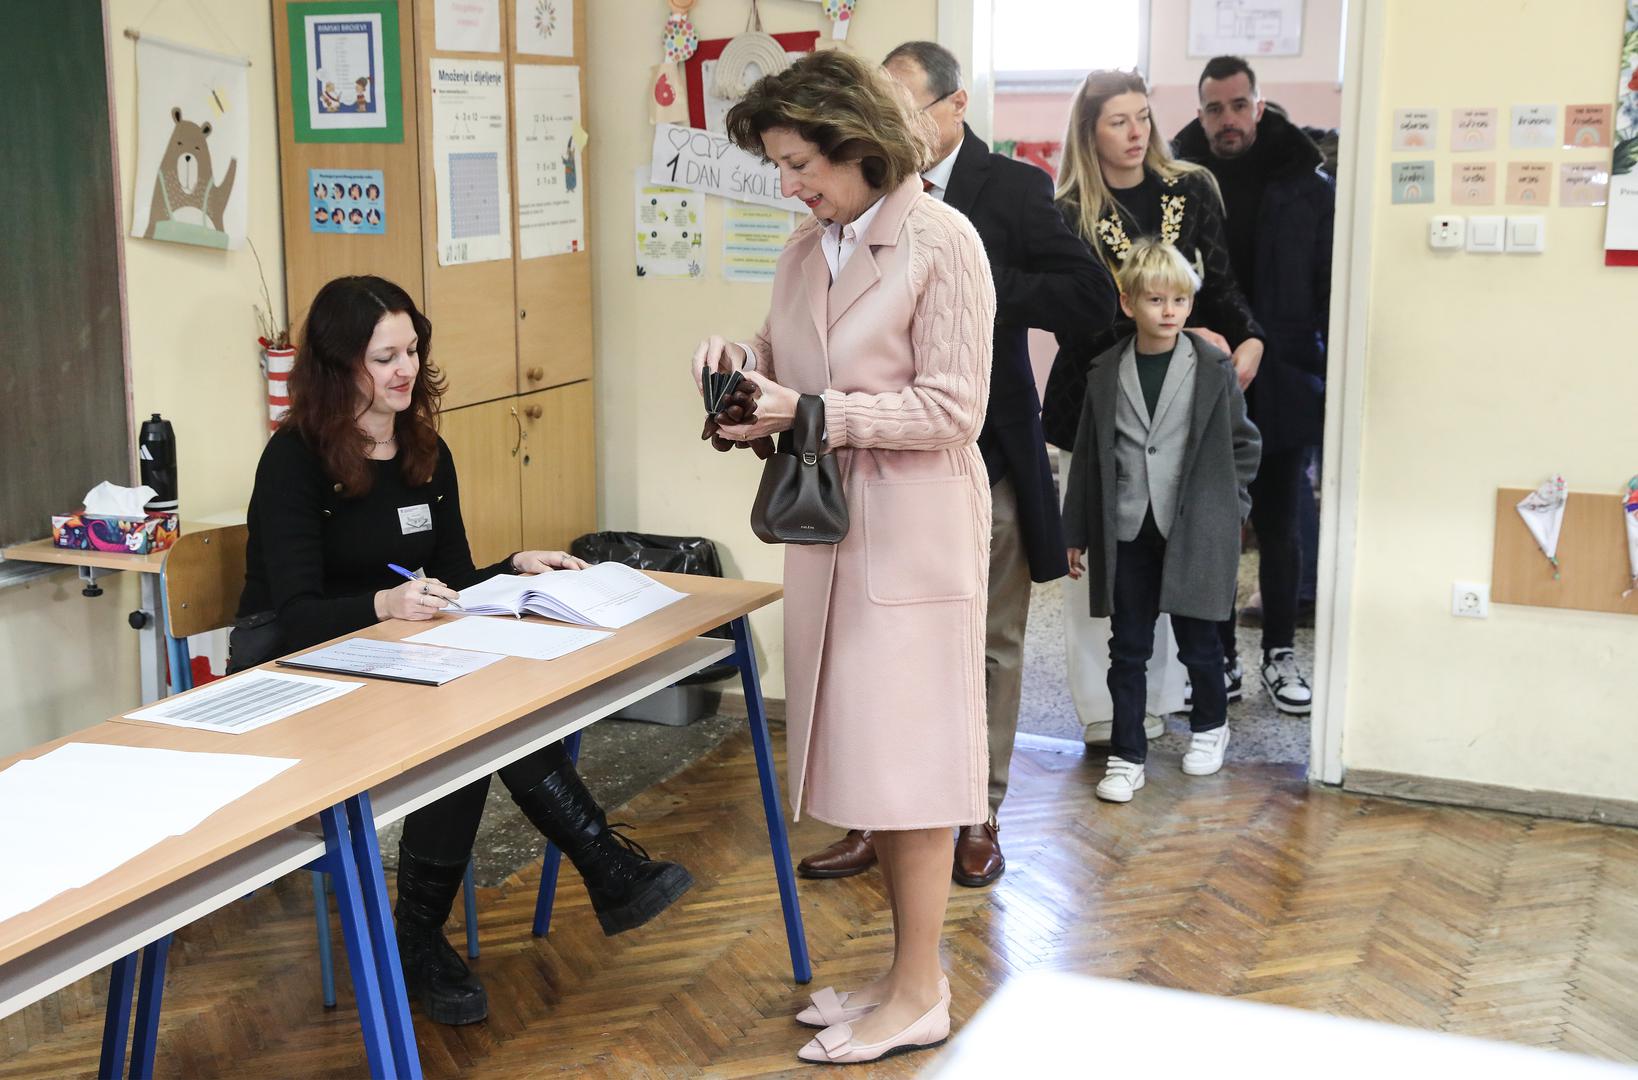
(68,661)
(1484,372)
(654,473)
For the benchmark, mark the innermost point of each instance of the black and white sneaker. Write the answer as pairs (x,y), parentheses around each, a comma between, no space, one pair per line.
(1234,681)
(1282,677)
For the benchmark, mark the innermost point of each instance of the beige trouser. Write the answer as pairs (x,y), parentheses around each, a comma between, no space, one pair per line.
(1004,633)
(1086,648)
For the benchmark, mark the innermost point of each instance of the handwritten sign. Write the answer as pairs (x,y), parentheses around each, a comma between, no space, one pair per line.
(1586,126)
(1529,183)
(1415,129)
(1583,184)
(708,162)
(1413,181)
(1473,183)
(1535,127)
(1473,129)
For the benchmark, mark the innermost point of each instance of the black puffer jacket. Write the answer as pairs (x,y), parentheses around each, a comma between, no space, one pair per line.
(1192,217)
(1290,279)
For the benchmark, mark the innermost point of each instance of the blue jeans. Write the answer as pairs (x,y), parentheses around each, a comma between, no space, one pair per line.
(1138,568)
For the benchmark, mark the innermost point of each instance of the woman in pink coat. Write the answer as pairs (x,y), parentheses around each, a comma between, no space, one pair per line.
(883,306)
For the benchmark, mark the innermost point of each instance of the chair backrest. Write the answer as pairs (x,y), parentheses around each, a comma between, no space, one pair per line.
(204,575)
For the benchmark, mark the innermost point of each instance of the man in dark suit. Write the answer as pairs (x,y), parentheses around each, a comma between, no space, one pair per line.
(1046,278)
(1279,210)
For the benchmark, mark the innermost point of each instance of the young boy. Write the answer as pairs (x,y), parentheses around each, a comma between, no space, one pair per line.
(1156,497)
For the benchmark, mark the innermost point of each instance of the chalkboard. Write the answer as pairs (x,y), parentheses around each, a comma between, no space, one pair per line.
(64,419)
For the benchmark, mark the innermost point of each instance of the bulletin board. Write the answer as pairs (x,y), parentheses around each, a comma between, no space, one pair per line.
(1592,556)
(804,41)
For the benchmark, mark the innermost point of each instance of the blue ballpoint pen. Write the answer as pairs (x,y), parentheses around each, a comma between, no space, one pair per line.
(414,576)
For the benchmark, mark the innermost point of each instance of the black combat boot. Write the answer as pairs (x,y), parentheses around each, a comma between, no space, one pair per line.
(434,973)
(627,887)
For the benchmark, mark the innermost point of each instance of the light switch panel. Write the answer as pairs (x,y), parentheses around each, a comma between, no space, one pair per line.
(1486,233)
(1527,233)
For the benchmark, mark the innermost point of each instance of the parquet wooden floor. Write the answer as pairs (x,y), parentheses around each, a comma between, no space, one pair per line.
(1247,884)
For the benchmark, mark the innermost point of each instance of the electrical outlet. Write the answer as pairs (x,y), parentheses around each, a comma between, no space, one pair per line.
(1470,600)
(1447,232)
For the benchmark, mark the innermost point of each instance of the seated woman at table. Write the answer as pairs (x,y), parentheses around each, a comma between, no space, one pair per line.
(356,478)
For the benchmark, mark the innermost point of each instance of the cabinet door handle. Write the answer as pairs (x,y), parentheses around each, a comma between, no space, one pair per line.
(523,313)
(534,412)
(519,422)
(536,374)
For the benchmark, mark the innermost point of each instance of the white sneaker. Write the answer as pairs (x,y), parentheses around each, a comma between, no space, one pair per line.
(1206,750)
(1120,779)
(1282,677)
(1102,732)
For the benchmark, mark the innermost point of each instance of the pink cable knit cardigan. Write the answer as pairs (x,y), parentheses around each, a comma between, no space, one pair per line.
(884,632)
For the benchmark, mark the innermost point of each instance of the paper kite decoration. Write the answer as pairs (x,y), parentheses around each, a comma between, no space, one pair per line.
(1543,514)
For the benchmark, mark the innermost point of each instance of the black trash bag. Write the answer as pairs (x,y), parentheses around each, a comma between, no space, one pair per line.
(667,554)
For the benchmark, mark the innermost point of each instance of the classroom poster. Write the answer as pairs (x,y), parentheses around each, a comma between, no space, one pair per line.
(545,27)
(670,228)
(1413,182)
(711,164)
(471,181)
(193,145)
(1415,129)
(467,25)
(1586,127)
(752,238)
(551,196)
(1535,127)
(1248,28)
(349,85)
(1621,225)
(1583,184)
(347,201)
(1472,130)
(1473,183)
(1529,183)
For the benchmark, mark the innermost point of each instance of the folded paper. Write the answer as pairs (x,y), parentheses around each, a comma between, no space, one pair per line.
(1543,514)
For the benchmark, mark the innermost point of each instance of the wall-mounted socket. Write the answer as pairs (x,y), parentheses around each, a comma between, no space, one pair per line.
(1470,600)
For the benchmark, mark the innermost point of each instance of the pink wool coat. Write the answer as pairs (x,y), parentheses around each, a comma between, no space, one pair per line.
(884,632)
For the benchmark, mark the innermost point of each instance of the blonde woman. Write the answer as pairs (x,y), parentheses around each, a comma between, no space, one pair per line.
(883,309)
(1118,183)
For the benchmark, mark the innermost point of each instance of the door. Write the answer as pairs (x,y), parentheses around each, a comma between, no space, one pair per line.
(487,444)
(559,466)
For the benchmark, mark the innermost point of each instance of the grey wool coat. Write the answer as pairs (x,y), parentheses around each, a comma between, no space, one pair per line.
(1220,460)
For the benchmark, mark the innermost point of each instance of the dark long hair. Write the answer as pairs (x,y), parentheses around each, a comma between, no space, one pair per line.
(324,397)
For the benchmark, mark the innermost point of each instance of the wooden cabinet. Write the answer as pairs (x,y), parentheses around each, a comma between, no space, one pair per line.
(513,337)
(487,444)
(559,473)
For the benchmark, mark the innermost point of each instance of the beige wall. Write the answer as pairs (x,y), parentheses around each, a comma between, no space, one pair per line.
(1481,372)
(654,473)
(68,661)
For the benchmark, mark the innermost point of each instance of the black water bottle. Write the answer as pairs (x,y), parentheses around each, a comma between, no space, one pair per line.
(156,449)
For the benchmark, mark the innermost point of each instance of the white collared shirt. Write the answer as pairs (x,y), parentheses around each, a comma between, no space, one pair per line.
(939,175)
(839,241)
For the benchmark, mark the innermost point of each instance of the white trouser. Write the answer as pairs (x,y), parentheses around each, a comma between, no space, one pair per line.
(1086,646)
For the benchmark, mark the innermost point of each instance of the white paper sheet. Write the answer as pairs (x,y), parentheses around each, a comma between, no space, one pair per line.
(244,702)
(551,199)
(513,637)
(467,25)
(471,180)
(394,660)
(1543,514)
(670,230)
(545,27)
(92,807)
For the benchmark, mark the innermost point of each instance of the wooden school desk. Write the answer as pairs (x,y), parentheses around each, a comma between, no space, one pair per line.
(365,759)
(95,564)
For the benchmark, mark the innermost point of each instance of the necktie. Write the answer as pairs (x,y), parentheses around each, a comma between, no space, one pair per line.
(926,184)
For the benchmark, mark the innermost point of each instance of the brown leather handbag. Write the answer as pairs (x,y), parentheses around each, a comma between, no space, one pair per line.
(800,500)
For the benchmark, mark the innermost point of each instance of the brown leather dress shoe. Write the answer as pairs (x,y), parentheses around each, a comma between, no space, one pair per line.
(852,854)
(978,859)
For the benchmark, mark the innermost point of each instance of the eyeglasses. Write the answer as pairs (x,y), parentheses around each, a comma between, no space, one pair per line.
(935,101)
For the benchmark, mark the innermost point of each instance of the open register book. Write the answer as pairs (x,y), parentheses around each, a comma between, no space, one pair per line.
(608,594)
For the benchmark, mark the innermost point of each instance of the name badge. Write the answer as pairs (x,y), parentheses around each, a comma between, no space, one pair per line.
(415,519)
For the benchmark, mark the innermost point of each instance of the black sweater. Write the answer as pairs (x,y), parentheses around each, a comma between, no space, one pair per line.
(317,559)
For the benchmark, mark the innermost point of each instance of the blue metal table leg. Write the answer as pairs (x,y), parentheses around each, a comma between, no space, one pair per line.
(116,1024)
(150,993)
(548,868)
(361,946)
(378,913)
(469,904)
(778,839)
(321,914)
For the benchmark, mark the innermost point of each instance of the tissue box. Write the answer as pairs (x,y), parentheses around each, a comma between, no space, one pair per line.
(129,536)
